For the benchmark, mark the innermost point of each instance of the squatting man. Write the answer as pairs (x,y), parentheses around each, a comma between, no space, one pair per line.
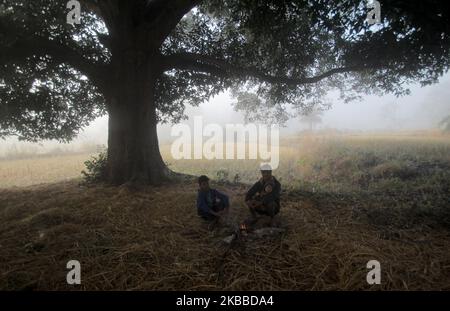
(262,199)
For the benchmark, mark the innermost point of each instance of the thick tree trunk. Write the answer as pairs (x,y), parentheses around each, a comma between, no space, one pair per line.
(133,150)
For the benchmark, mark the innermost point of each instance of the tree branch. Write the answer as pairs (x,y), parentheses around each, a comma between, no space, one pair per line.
(192,61)
(41,46)
(107,10)
(168,15)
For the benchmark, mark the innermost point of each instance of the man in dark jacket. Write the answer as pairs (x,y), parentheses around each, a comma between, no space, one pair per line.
(264,196)
(211,204)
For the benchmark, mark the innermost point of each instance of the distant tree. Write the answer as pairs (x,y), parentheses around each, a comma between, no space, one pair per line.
(312,118)
(141,61)
(445,124)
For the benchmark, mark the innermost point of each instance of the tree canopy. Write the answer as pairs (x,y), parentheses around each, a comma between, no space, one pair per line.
(55,78)
(284,52)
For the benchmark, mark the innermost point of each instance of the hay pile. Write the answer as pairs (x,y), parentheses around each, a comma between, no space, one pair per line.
(153,240)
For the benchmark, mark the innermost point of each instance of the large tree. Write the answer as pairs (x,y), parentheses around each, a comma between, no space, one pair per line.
(141,61)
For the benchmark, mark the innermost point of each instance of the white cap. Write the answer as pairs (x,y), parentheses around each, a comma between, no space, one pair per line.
(265,167)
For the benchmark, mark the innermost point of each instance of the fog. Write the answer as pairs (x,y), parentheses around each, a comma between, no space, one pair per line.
(421,110)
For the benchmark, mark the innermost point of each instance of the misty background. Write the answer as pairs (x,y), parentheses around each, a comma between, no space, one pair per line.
(423,109)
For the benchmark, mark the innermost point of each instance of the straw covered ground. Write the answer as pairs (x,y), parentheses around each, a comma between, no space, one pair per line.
(152,240)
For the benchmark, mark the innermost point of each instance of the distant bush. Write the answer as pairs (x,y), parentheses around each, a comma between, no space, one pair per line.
(222,175)
(95,168)
(399,169)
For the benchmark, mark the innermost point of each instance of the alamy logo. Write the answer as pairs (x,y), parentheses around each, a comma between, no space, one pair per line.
(374,15)
(74,15)
(374,275)
(74,275)
(240,142)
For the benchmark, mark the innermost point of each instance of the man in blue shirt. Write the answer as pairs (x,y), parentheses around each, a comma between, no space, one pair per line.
(211,204)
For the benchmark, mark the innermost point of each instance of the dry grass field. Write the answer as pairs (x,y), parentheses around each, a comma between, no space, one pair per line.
(32,171)
(347,200)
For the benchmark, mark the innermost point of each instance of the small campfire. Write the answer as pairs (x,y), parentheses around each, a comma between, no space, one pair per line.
(243,229)
(245,232)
